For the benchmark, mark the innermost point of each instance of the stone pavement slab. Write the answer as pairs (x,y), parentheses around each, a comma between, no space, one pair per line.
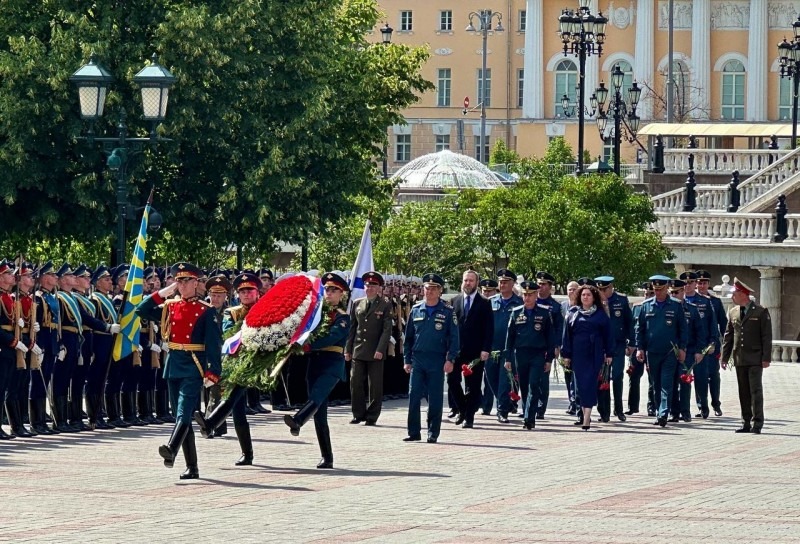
(620,482)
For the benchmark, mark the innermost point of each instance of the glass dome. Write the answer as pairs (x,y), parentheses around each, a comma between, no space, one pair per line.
(446,170)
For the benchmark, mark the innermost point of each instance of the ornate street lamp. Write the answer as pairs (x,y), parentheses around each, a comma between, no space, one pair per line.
(789,55)
(621,111)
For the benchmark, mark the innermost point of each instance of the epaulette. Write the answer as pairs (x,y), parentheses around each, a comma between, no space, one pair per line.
(204,303)
(522,307)
(419,304)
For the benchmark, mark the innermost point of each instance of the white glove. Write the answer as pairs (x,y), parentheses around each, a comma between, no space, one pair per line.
(62,353)
(139,349)
(21,347)
(114,328)
(208,383)
(37,350)
(154,348)
(165,346)
(21,322)
(168,291)
(36,326)
(155,328)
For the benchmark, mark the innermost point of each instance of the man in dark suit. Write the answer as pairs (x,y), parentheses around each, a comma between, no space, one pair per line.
(367,343)
(748,343)
(475,331)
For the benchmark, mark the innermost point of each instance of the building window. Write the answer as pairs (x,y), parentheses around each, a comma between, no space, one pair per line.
(446,20)
(566,84)
(443,87)
(785,100)
(442,142)
(523,20)
(520,87)
(402,148)
(484,158)
(406,21)
(733,83)
(487,102)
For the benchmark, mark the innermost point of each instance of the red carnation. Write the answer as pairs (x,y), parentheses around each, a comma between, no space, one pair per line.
(279,303)
(514,396)
(466,370)
(605,386)
(629,371)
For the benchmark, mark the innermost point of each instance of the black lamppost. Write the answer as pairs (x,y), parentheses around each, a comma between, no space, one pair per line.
(386,39)
(789,53)
(485,17)
(622,111)
(583,35)
(92,81)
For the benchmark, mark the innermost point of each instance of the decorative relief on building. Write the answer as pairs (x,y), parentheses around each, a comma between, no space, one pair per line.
(621,17)
(520,51)
(681,15)
(443,51)
(782,14)
(730,15)
(480,51)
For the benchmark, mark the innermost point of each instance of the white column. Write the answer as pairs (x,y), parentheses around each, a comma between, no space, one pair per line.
(644,51)
(533,99)
(757,68)
(769,295)
(701,58)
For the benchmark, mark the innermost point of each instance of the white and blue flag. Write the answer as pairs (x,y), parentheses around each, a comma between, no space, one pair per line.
(364,264)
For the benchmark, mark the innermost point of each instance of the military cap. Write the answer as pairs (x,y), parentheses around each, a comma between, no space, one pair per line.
(266,273)
(528,287)
(161,274)
(218,284)
(659,281)
(120,271)
(82,271)
(545,277)
(26,269)
(168,273)
(646,285)
(488,285)
(688,275)
(100,272)
(433,279)
(203,274)
(149,272)
(247,280)
(675,285)
(742,287)
(6,267)
(334,280)
(506,274)
(603,281)
(65,270)
(586,281)
(185,270)
(703,275)
(416,281)
(373,278)
(46,268)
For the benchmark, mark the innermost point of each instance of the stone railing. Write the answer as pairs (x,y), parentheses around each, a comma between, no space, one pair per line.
(709,197)
(785,351)
(724,228)
(767,180)
(721,161)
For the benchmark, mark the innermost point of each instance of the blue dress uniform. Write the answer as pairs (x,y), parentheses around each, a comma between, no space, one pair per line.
(48,315)
(501,310)
(325,369)
(118,371)
(712,361)
(554,307)
(431,339)
(530,345)
(661,326)
(102,345)
(619,312)
(195,353)
(637,371)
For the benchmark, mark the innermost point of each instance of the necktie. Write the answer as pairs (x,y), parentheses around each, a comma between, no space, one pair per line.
(466,306)
(741,312)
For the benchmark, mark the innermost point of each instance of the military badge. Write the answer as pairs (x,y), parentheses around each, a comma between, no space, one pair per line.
(669,322)
(618,313)
(537,327)
(439,326)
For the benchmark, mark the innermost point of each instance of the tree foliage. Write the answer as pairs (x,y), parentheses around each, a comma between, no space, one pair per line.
(277,114)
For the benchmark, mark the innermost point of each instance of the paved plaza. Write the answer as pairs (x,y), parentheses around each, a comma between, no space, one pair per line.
(620,482)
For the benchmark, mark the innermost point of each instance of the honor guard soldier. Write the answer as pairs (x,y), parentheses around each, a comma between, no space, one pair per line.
(71,337)
(529,349)
(119,370)
(502,305)
(636,369)
(367,344)
(195,347)
(545,300)
(710,384)
(150,341)
(619,312)
(218,287)
(11,342)
(696,341)
(431,346)
(660,332)
(49,339)
(325,367)
(248,288)
(102,345)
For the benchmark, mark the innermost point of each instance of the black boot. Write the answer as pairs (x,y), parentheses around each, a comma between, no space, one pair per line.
(190,455)
(15,420)
(217,417)
(129,410)
(254,401)
(96,403)
(76,413)
(301,417)
(160,398)
(166,415)
(113,411)
(60,415)
(38,412)
(146,408)
(324,438)
(169,450)
(617,387)
(4,435)
(246,443)
(91,411)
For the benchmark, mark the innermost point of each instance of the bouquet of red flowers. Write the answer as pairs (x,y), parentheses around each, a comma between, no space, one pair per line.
(514,381)
(467,368)
(603,378)
(687,377)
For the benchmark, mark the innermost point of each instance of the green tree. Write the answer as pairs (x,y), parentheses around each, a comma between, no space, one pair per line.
(501,154)
(277,114)
(559,152)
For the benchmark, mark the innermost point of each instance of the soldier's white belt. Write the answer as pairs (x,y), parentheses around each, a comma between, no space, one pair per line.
(186,347)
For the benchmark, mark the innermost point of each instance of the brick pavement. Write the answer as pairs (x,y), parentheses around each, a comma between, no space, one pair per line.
(620,482)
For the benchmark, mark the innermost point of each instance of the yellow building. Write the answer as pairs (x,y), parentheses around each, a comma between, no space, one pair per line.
(725,68)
